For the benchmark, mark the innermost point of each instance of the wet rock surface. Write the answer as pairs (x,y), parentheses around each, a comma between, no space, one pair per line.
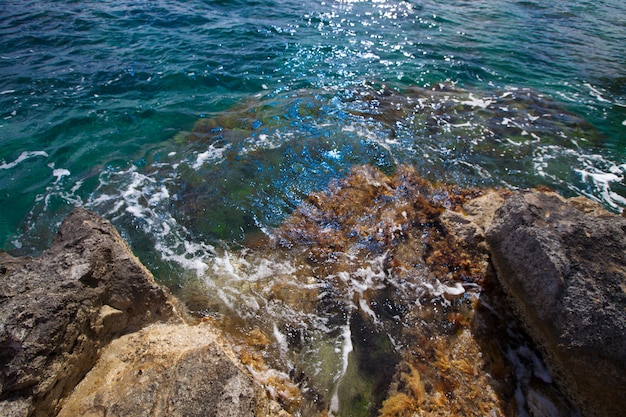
(57,310)
(399,271)
(563,265)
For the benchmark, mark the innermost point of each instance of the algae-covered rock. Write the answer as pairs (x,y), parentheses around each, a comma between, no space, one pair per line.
(563,265)
(412,350)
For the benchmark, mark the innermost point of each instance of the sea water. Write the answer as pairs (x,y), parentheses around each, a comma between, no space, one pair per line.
(198,127)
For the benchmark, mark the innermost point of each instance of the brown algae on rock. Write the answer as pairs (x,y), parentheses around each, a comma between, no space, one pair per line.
(369,303)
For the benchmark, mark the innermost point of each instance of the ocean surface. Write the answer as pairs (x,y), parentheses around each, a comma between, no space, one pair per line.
(195,125)
(93,95)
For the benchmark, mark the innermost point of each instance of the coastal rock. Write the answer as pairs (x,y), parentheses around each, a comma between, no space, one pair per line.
(563,264)
(85,330)
(87,311)
(57,310)
(170,370)
(477,214)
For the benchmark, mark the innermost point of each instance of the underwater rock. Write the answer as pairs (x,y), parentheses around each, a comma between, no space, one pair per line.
(420,302)
(171,370)
(57,310)
(563,264)
(249,166)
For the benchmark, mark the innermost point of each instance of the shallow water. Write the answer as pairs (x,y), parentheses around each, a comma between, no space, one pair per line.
(197,128)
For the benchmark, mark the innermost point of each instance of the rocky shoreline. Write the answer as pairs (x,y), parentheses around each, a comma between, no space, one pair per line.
(85,329)
(563,265)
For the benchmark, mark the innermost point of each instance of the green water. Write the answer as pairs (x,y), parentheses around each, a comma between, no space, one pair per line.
(101,86)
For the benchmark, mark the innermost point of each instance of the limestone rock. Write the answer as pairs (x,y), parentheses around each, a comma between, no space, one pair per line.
(470,225)
(563,265)
(169,370)
(57,310)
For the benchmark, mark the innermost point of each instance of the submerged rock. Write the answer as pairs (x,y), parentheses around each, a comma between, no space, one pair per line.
(420,301)
(563,264)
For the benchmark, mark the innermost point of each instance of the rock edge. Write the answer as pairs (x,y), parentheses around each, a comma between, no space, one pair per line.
(563,265)
(83,305)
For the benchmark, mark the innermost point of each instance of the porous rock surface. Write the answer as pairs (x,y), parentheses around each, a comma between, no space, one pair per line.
(169,370)
(563,264)
(59,311)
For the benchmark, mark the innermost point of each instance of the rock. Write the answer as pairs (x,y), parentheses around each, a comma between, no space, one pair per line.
(87,301)
(563,264)
(470,224)
(169,370)
(59,309)
(85,330)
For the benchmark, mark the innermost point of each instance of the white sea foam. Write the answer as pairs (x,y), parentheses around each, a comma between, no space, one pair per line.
(158,196)
(597,93)
(598,175)
(437,289)
(59,173)
(365,307)
(472,101)
(602,180)
(190,259)
(263,142)
(144,198)
(23,156)
(280,338)
(212,154)
(227,266)
(346,349)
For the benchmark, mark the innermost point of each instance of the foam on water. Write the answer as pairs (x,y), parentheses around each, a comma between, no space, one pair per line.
(23,156)
(213,154)
(140,199)
(59,173)
(601,181)
(346,349)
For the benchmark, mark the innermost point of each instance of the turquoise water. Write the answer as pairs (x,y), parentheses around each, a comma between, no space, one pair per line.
(196,125)
(93,90)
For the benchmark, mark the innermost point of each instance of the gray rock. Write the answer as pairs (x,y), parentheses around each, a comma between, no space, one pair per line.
(563,264)
(57,310)
(170,370)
